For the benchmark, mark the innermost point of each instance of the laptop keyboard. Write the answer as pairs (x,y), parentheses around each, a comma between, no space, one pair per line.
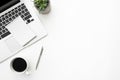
(3,32)
(8,17)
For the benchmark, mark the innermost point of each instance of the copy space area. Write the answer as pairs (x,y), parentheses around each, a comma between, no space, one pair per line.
(83,42)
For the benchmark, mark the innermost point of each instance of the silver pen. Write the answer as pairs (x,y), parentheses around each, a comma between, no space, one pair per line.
(38,61)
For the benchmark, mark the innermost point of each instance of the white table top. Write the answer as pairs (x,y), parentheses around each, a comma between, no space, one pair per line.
(83,43)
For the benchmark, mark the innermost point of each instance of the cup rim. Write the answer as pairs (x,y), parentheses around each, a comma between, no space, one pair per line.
(14,69)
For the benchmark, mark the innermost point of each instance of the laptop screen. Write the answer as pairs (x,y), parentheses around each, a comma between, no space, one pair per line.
(5,4)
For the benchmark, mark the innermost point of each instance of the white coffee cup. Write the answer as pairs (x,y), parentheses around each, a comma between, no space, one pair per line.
(19,65)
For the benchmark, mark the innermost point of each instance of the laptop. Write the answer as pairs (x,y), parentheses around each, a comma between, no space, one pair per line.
(19,27)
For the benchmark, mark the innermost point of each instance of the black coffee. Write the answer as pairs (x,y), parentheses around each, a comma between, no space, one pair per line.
(19,64)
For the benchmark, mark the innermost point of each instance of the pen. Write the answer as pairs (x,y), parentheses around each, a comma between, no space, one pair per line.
(39,58)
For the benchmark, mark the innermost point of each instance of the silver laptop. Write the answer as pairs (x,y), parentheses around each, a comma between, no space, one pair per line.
(19,27)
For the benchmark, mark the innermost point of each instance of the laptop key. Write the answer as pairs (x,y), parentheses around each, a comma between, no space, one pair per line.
(6,34)
(3,23)
(23,7)
(23,12)
(22,16)
(16,11)
(0,33)
(26,14)
(16,15)
(29,16)
(10,19)
(3,27)
(19,13)
(3,31)
(3,18)
(0,20)
(7,21)
(0,24)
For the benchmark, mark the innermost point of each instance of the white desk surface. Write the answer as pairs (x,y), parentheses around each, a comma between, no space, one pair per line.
(83,43)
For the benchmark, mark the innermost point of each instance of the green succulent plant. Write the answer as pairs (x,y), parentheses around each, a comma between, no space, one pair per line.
(41,4)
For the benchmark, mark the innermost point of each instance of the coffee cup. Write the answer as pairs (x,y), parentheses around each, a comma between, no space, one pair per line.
(19,65)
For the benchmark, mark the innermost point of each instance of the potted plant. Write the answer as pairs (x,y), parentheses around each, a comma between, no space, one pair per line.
(43,6)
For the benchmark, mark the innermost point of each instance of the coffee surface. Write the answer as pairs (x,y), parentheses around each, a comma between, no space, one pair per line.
(19,65)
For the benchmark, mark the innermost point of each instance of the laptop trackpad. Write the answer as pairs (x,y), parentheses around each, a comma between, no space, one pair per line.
(12,44)
(21,31)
